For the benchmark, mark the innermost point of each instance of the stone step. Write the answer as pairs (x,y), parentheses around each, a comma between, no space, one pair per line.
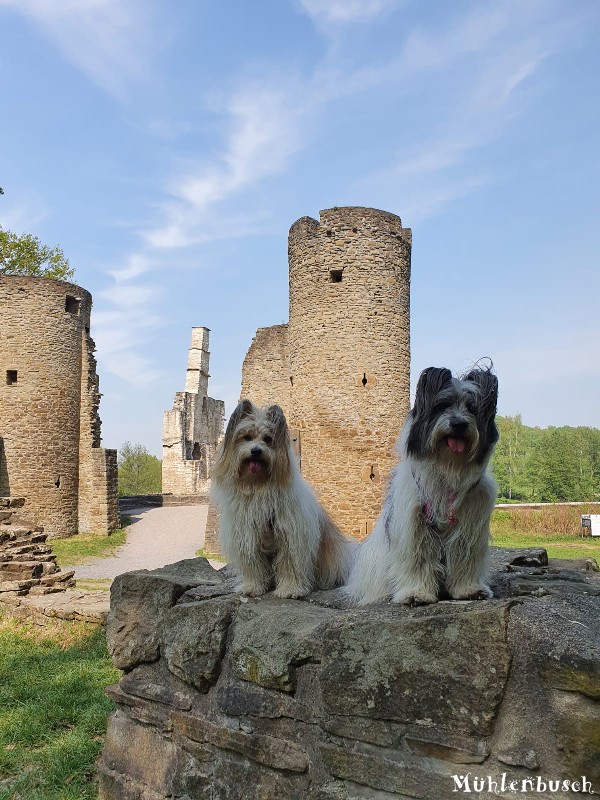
(41,590)
(31,538)
(11,550)
(21,587)
(14,532)
(19,520)
(61,577)
(15,570)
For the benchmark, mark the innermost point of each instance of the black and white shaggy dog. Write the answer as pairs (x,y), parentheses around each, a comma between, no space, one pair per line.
(272,530)
(432,535)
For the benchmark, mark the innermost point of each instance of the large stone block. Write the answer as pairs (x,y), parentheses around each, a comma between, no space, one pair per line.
(262,699)
(193,639)
(412,667)
(267,750)
(272,638)
(140,601)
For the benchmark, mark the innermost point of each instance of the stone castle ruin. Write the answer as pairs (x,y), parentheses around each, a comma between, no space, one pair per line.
(193,428)
(50,452)
(340,368)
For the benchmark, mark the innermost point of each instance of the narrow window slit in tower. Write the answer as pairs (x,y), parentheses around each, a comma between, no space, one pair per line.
(11,377)
(72,305)
(364,379)
(372,474)
(57,482)
(291,380)
(336,275)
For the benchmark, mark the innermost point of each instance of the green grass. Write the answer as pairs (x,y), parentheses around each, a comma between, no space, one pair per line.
(201,553)
(506,533)
(81,548)
(52,709)
(94,584)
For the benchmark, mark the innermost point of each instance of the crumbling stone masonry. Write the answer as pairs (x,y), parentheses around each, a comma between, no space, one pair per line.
(309,699)
(50,450)
(32,585)
(341,368)
(193,428)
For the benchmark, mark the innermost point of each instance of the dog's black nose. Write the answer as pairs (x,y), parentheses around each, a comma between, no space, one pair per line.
(256,452)
(458,425)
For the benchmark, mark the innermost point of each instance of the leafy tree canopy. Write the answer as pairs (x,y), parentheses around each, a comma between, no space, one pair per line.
(546,464)
(139,472)
(26,255)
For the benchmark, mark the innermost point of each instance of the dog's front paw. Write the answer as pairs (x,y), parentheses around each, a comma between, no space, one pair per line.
(290,590)
(414,598)
(482,592)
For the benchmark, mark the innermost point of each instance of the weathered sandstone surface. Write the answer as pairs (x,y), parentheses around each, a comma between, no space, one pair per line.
(232,698)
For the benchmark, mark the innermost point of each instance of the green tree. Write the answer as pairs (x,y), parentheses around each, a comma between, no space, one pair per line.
(26,255)
(510,457)
(139,472)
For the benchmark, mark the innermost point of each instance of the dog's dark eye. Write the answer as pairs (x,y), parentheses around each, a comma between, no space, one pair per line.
(247,438)
(268,439)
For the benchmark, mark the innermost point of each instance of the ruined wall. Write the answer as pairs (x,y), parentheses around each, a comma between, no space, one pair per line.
(272,699)
(193,428)
(342,373)
(266,369)
(49,400)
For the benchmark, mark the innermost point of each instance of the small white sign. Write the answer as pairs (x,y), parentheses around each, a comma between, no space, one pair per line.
(595,522)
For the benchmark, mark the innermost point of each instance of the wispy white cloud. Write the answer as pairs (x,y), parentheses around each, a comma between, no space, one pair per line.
(24,214)
(263,134)
(109,40)
(433,172)
(126,321)
(342,11)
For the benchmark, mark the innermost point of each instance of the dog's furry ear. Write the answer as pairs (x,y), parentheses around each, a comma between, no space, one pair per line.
(431,381)
(277,419)
(243,409)
(487,385)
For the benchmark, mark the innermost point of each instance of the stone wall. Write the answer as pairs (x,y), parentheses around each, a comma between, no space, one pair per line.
(232,698)
(193,428)
(49,400)
(341,368)
(266,369)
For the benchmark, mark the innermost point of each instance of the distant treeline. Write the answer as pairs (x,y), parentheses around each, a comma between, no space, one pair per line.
(546,465)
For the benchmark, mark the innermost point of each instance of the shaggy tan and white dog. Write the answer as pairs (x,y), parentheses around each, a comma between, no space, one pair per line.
(432,535)
(272,530)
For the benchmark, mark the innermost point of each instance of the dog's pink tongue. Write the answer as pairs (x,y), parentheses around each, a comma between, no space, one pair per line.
(254,467)
(456,445)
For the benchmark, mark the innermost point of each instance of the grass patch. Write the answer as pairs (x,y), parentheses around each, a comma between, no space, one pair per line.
(53,709)
(555,529)
(94,584)
(81,548)
(201,553)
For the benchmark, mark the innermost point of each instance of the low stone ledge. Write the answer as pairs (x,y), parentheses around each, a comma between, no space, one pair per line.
(235,698)
(69,604)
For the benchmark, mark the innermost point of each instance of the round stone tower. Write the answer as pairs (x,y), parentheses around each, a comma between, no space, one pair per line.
(349,355)
(49,423)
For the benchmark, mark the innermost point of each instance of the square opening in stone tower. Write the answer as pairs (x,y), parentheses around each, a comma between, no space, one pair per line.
(72,305)
(11,377)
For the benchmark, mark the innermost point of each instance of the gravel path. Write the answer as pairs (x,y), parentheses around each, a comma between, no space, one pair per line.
(156,537)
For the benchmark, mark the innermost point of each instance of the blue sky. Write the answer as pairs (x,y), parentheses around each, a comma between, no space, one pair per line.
(167,147)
